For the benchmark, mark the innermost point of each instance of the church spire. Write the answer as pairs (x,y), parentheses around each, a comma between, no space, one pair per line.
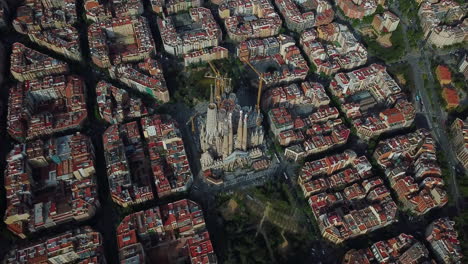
(211,93)
(240,130)
(244,133)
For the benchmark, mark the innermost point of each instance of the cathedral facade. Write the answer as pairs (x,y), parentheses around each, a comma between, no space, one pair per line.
(230,135)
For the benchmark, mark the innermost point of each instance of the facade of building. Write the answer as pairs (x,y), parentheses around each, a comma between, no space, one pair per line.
(357,9)
(116,105)
(205,55)
(335,185)
(131,171)
(410,164)
(463,66)
(174,232)
(169,161)
(50,24)
(442,22)
(303,15)
(80,245)
(231,136)
(50,182)
(444,241)
(128,170)
(281,53)
(401,249)
(295,94)
(46,106)
(28,64)
(386,22)
(345,53)
(304,135)
(206,32)
(98,11)
(145,77)
(459,130)
(365,89)
(170,7)
(120,40)
(245,19)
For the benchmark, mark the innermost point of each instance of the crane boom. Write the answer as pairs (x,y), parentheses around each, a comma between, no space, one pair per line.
(253,68)
(259,93)
(216,72)
(260,84)
(218,82)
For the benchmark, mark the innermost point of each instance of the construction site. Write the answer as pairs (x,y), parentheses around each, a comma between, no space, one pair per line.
(230,137)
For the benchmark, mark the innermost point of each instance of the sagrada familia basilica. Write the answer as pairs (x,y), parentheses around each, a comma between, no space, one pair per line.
(231,136)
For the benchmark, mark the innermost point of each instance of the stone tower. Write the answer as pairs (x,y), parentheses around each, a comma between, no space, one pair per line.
(231,136)
(211,119)
(240,130)
(244,133)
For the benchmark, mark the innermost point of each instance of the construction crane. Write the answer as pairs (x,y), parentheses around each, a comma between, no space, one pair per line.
(220,82)
(192,121)
(260,84)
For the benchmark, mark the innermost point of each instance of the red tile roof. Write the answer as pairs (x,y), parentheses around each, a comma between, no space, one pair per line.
(451,97)
(443,73)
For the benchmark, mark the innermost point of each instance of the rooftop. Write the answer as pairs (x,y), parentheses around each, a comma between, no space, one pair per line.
(180,223)
(50,182)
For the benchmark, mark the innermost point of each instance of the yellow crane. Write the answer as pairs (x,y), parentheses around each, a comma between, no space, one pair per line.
(192,121)
(220,82)
(260,84)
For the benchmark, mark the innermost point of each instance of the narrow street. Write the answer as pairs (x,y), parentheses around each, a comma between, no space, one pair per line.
(108,216)
(431,107)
